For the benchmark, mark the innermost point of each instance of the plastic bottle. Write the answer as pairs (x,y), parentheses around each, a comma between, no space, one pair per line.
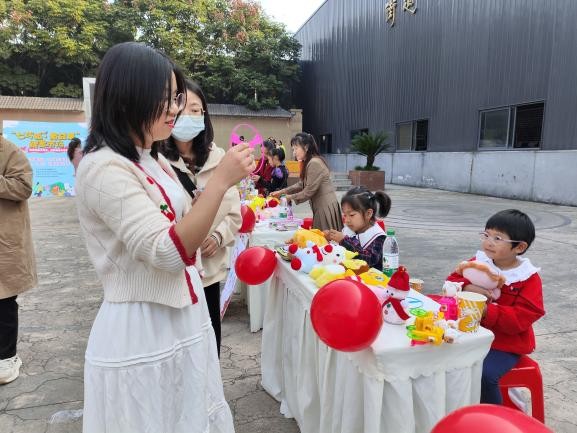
(390,253)
(283,212)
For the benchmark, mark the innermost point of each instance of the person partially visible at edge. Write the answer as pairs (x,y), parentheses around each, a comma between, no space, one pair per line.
(17,261)
(263,176)
(194,157)
(151,362)
(75,152)
(314,185)
(511,314)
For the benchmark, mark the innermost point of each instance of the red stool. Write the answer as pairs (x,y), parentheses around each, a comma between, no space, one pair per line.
(525,374)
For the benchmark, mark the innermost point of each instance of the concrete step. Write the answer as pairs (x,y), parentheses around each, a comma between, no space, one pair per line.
(336,175)
(342,187)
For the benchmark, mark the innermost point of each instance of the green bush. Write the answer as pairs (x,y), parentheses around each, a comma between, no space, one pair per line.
(369,145)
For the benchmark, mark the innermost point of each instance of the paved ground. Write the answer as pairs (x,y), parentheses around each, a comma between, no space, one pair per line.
(436,229)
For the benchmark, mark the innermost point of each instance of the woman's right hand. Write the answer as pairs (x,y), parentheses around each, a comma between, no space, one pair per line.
(276,194)
(236,164)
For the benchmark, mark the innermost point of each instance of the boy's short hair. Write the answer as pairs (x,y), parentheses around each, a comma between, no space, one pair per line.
(278,152)
(516,224)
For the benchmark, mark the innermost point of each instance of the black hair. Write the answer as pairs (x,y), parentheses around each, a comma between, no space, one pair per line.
(133,89)
(202,142)
(72,146)
(279,153)
(307,142)
(516,224)
(361,199)
(269,145)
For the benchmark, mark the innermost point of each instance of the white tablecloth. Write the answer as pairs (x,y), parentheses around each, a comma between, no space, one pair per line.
(265,236)
(391,387)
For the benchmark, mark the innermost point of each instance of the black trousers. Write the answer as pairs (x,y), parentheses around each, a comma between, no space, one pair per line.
(212,294)
(8,327)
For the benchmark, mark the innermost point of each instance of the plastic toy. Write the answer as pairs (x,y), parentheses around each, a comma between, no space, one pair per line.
(430,327)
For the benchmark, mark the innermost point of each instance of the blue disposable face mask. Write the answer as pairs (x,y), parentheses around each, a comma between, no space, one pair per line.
(187,127)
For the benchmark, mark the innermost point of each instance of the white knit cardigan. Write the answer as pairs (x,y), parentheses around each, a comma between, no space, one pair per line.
(130,239)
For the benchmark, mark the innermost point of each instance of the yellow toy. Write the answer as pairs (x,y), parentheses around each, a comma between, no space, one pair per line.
(301,237)
(358,266)
(257,203)
(374,277)
(425,330)
(325,274)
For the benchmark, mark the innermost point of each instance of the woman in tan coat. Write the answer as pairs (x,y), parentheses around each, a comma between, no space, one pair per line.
(17,262)
(194,157)
(315,184)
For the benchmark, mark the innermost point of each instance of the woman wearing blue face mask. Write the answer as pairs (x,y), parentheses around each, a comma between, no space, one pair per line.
(194,157)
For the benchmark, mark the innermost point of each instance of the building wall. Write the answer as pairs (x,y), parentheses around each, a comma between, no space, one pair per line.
(40,116)
(445,63)
(279,128)
(536,175)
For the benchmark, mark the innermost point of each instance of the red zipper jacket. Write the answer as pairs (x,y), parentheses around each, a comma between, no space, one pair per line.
(511,317)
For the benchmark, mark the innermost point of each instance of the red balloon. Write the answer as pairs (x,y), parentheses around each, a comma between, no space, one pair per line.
(248,219)
(483,418)
(255,265)
(346,315)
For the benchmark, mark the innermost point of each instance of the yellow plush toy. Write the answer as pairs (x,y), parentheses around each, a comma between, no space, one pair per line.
(301,237)
(358,266)
(325,274)
(257,203)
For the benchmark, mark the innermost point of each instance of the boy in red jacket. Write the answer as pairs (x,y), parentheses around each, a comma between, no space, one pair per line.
(508,234)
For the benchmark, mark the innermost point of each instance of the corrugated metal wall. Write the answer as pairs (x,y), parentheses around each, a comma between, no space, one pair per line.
(444,63)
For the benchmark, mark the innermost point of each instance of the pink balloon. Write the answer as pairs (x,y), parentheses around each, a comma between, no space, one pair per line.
(255,265)
(485,418)
(346,315)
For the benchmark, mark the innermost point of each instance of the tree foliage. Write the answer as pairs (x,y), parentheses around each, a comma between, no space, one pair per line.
(235,52)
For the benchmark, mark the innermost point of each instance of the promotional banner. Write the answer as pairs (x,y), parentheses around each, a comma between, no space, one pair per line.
(45,145)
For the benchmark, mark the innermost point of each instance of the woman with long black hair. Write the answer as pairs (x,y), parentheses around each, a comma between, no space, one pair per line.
(151,363)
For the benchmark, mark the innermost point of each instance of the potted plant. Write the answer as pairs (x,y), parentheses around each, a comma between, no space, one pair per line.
(369,145)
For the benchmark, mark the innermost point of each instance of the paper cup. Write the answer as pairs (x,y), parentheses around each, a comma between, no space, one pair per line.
(416,284)
(471,307)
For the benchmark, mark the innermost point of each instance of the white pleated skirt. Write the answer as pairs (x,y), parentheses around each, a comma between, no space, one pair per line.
(150,368)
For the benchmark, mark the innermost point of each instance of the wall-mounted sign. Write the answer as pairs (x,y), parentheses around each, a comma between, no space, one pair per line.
(391,9)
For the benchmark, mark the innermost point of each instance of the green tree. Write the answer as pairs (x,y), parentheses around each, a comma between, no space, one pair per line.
(51,43)
(230,47)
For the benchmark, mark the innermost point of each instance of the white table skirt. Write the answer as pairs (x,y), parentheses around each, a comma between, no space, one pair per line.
(264,236)
(335,392)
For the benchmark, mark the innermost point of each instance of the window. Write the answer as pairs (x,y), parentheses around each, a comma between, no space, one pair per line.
(517,127)
(413,136)
(326,143)
(528,126)
(356,132)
